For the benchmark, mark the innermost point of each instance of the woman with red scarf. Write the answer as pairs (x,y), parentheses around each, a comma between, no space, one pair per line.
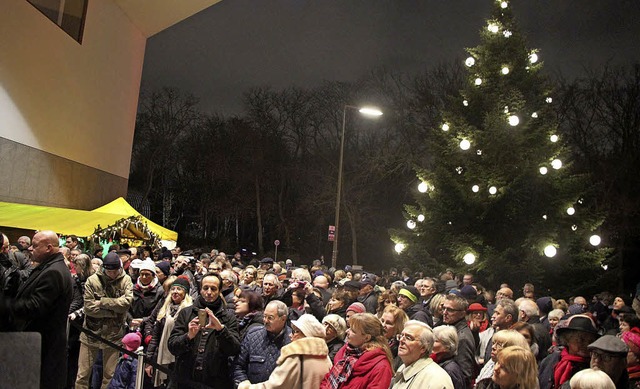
(632,339)
(559,366)
(365,360)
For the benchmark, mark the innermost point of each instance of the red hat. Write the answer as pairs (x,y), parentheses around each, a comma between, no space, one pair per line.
(476,307)
(357,308)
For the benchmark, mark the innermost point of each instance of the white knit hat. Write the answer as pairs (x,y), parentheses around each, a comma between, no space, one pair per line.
(309,325)
(147,264)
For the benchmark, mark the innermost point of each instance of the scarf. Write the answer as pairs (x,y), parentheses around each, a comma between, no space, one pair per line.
(562,372)
(634,372)
(213,306)
(144,288)
(164,355)
(341,371)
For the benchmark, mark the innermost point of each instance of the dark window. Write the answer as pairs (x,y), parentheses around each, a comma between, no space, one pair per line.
(68,14)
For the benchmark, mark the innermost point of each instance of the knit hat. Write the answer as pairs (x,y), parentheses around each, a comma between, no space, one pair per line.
(309,325)
(131,341)
(469,292)
(632,339)
(183,282)
(410,292)
(338,324)
(165,267)
(450,284)
(576,309)
(545,305)
(610,344)
(166,254)
(136,263)
(266,260)
(148,264)
(357,308)
(288,262)
(112,261)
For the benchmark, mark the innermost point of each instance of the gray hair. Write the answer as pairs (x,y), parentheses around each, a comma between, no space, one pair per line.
(529,307)
(556,313)
(301,274)
(426,335)
(230,275)
(448,338)
(276,281)
(510,308)
(280,307)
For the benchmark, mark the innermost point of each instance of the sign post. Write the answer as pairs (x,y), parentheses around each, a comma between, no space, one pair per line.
(276,243)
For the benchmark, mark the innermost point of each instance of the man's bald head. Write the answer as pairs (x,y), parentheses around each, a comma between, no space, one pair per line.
(44,245)
(321,282)
(504,293)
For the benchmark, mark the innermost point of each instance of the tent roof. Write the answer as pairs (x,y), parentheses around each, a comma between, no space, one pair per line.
(72,221)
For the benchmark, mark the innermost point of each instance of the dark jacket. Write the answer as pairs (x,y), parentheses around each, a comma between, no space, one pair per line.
(455,372)
(248,322)
(125,375)
(204,358)
(258,355)
(145,301)
(370,302)
(546,369)
(466,351)
(334,346)
(416,312)
(42,305)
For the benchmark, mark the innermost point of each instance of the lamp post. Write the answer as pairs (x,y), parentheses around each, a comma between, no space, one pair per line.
(365,111)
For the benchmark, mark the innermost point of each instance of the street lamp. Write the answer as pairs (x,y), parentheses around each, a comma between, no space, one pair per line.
(369,111)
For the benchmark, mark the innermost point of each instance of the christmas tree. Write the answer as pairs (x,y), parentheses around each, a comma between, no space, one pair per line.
(496,193)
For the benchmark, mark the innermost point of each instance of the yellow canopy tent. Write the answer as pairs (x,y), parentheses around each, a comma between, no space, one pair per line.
(124,219)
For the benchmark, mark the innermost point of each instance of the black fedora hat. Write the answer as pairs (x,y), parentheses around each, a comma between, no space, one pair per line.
(582,323)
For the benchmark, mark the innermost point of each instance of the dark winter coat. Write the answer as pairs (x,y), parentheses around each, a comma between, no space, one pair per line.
(125,375)
(455,372)
(466,351)
(545,371)
(249,322)
(259,352)
(334,346)
(204,358)
(42,305)
(416,312)
(370,302)
(144,302)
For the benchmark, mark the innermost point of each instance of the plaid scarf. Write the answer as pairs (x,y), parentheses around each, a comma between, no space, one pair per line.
(341,371)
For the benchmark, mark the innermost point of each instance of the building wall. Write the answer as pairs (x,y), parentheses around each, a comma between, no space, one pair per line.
(67,110)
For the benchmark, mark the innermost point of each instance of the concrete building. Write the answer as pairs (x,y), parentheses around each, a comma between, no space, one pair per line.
(68,97)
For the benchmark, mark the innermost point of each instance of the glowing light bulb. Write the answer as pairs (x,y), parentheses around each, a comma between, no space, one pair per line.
(478,81)
(574,228)
(605,267)
(465,103)
(550,251)
(492,27)
(553,138)
(469,258)
(411,224)
(423,187)
(421,218)
(493,190)
(399,247)
(595,240)
(571,211)
(465,144)
(549,100)
(544,217)
(533,58)
(534,115)
(479,152)
(543,170)
(514,120)
(556,164)
(470,61)
(475,188)
(505,70)
(445,127)
(504,5)
(507,33)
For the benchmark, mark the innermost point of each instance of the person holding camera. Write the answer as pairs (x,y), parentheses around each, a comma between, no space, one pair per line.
(204,337)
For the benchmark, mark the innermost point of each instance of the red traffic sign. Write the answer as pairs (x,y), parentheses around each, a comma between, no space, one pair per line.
(276,242)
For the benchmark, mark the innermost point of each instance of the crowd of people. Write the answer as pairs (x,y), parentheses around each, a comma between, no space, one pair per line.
(208,319)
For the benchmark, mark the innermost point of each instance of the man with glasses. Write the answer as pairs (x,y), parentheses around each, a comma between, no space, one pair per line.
(454,314)
(260,348)
(418,369)
(609,354)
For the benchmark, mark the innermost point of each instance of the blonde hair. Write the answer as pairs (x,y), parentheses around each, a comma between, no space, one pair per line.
(369,324)
(510,338)
(520,363)
(164,310)
(399,317)
(436,300)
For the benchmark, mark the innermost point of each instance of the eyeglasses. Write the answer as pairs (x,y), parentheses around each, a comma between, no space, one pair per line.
(296,331)
(497,346)
(406,337)
(606,358)
(447,309)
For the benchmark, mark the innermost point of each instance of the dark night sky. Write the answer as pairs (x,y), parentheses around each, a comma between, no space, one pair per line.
(237,44)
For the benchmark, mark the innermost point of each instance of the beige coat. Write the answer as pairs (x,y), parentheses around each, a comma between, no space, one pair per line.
(312,352)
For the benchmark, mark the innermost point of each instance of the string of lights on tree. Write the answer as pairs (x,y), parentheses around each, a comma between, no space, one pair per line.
(521,114)
(132,228)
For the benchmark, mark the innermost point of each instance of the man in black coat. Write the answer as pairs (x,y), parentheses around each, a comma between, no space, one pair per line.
(202,350)
(42,305)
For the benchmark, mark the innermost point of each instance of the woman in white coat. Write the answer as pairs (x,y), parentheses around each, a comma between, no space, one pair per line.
(304,362)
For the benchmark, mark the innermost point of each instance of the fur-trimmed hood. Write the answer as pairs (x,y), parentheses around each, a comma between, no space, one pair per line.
(314,347)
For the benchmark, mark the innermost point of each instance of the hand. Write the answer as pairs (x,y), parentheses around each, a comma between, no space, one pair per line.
(135,323)
(308,289)
(149,370)
(72,316)
(213,321)
(194,328)
(244,384)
